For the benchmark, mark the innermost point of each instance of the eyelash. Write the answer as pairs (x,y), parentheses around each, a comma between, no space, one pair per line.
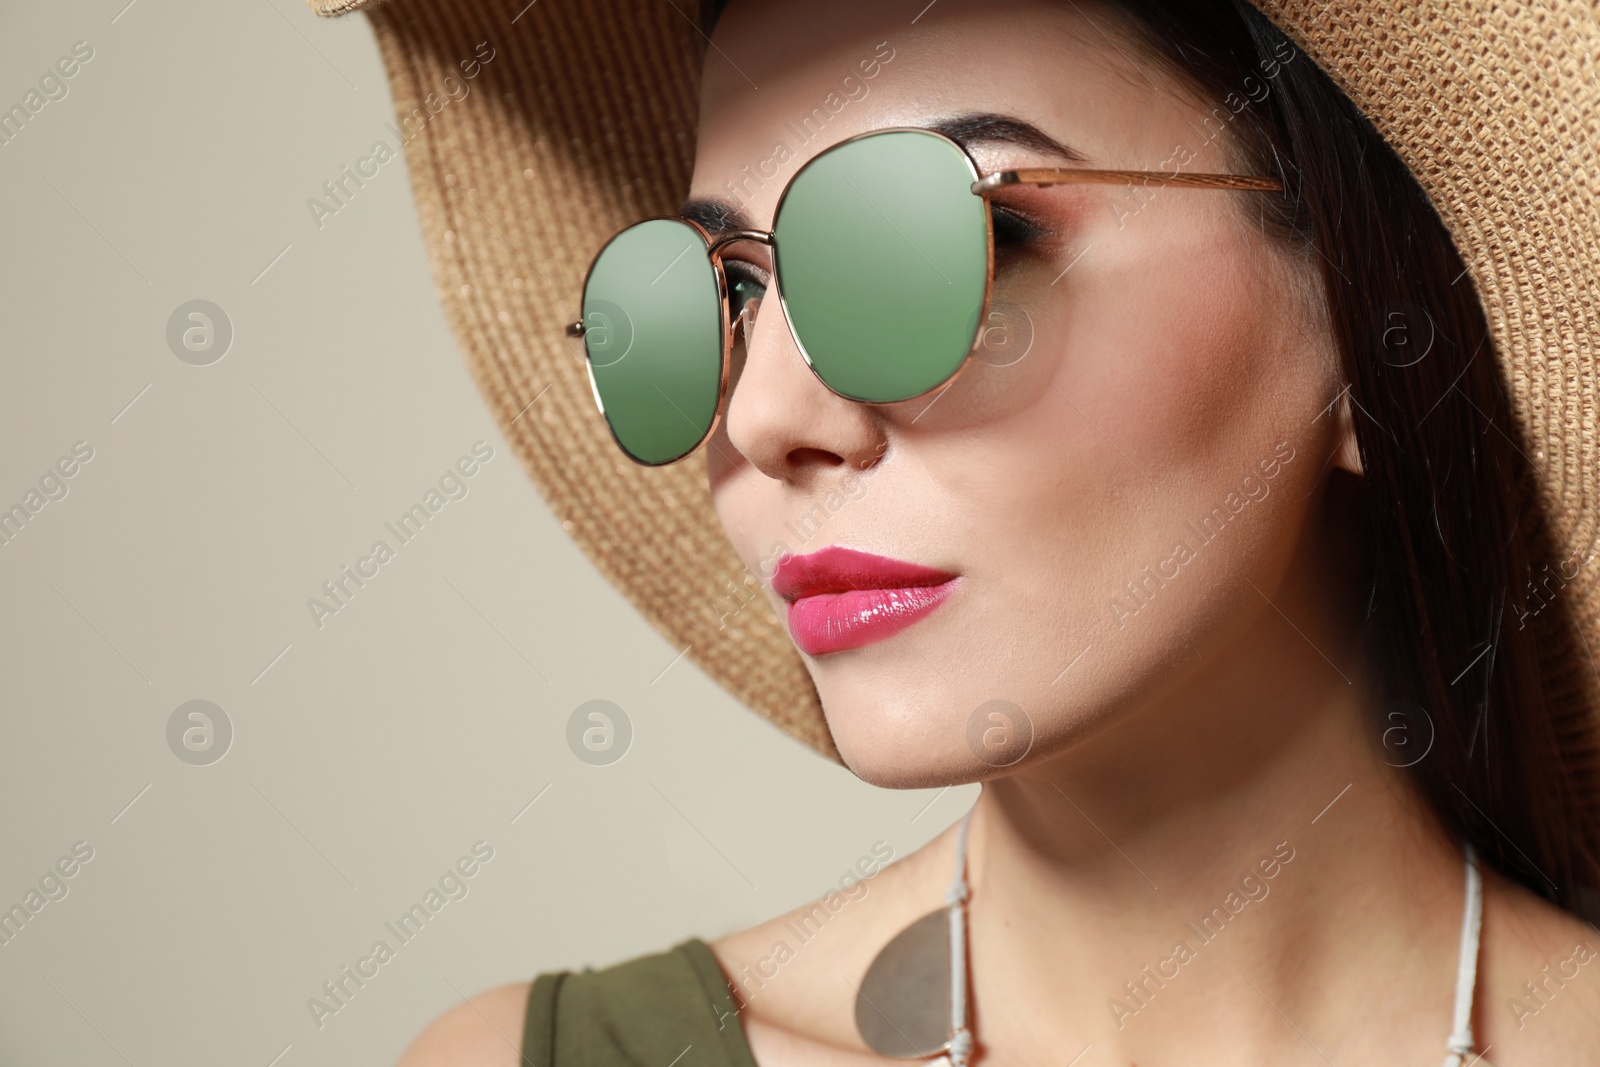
(1011,229)
(741,277)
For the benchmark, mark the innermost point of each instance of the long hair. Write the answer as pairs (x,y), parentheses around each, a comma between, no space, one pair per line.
(1463,630)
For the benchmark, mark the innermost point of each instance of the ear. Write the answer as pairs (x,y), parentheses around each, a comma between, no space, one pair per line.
(1347,454)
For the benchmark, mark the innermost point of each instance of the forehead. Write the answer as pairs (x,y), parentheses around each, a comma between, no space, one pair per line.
(783,81)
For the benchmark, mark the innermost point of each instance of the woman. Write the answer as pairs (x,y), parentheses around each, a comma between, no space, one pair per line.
(1215,562)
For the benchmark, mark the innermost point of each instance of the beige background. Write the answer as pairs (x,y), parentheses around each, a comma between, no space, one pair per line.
(370,754)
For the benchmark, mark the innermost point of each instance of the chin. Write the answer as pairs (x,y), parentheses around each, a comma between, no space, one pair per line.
(895,744)
(888,767)
(899,734)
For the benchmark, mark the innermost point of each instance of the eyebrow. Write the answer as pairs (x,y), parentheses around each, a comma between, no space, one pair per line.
(966,129)
(988,127)
(717,216)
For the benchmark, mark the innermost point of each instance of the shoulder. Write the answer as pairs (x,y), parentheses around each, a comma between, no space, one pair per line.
(485,1031)
(1540,981)
(639,1010)
(784,973)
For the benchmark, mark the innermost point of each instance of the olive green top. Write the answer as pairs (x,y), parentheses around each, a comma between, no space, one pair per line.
(671,1007)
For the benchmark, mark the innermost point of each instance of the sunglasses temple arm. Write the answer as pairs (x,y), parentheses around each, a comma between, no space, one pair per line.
(1069,175)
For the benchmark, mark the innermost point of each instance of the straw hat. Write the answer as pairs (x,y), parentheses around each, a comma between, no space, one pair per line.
(535,131)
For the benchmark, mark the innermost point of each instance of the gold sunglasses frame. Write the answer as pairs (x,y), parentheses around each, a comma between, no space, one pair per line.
(982,184)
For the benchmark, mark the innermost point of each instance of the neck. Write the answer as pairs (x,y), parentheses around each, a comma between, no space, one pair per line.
(1210,867)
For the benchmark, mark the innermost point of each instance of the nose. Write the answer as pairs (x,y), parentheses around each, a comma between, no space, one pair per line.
(782,418)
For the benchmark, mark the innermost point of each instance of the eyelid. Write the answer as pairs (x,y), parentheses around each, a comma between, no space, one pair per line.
(737,266)
(1024,225)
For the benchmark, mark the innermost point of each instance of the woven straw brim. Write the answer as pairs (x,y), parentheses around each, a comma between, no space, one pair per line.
(584,122)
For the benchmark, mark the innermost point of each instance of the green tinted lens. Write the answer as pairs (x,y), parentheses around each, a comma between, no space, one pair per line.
(653,332)
(882,261)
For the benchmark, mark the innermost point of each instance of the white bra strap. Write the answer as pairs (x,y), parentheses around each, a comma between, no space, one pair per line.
(1461,1040)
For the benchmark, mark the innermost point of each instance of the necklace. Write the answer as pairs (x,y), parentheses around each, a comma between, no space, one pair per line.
(900,1012)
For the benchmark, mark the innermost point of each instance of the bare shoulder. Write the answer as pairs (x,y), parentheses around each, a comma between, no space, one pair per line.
(485,1031)
(1540,980)
(793,976)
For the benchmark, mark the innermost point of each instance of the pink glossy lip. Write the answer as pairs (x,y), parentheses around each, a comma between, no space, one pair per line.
(840,598)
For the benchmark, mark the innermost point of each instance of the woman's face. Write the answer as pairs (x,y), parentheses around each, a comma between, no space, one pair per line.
(1126,470)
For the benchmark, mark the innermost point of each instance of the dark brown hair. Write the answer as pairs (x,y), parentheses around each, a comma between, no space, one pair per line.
(1470,648)
(1455,538)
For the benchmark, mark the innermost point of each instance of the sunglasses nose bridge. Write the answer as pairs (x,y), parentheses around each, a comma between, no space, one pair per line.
(759,236)
(740,327)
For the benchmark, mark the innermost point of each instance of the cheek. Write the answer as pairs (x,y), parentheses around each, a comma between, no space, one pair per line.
(750,508)
(1190,351)
(743,504)
(1113,493)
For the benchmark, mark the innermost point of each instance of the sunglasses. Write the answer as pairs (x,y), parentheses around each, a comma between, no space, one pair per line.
(883,256)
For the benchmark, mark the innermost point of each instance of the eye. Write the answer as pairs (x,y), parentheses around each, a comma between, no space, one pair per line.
(745,283)
(1011,229)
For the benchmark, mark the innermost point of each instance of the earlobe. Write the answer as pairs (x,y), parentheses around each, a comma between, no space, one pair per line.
(1347,453)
